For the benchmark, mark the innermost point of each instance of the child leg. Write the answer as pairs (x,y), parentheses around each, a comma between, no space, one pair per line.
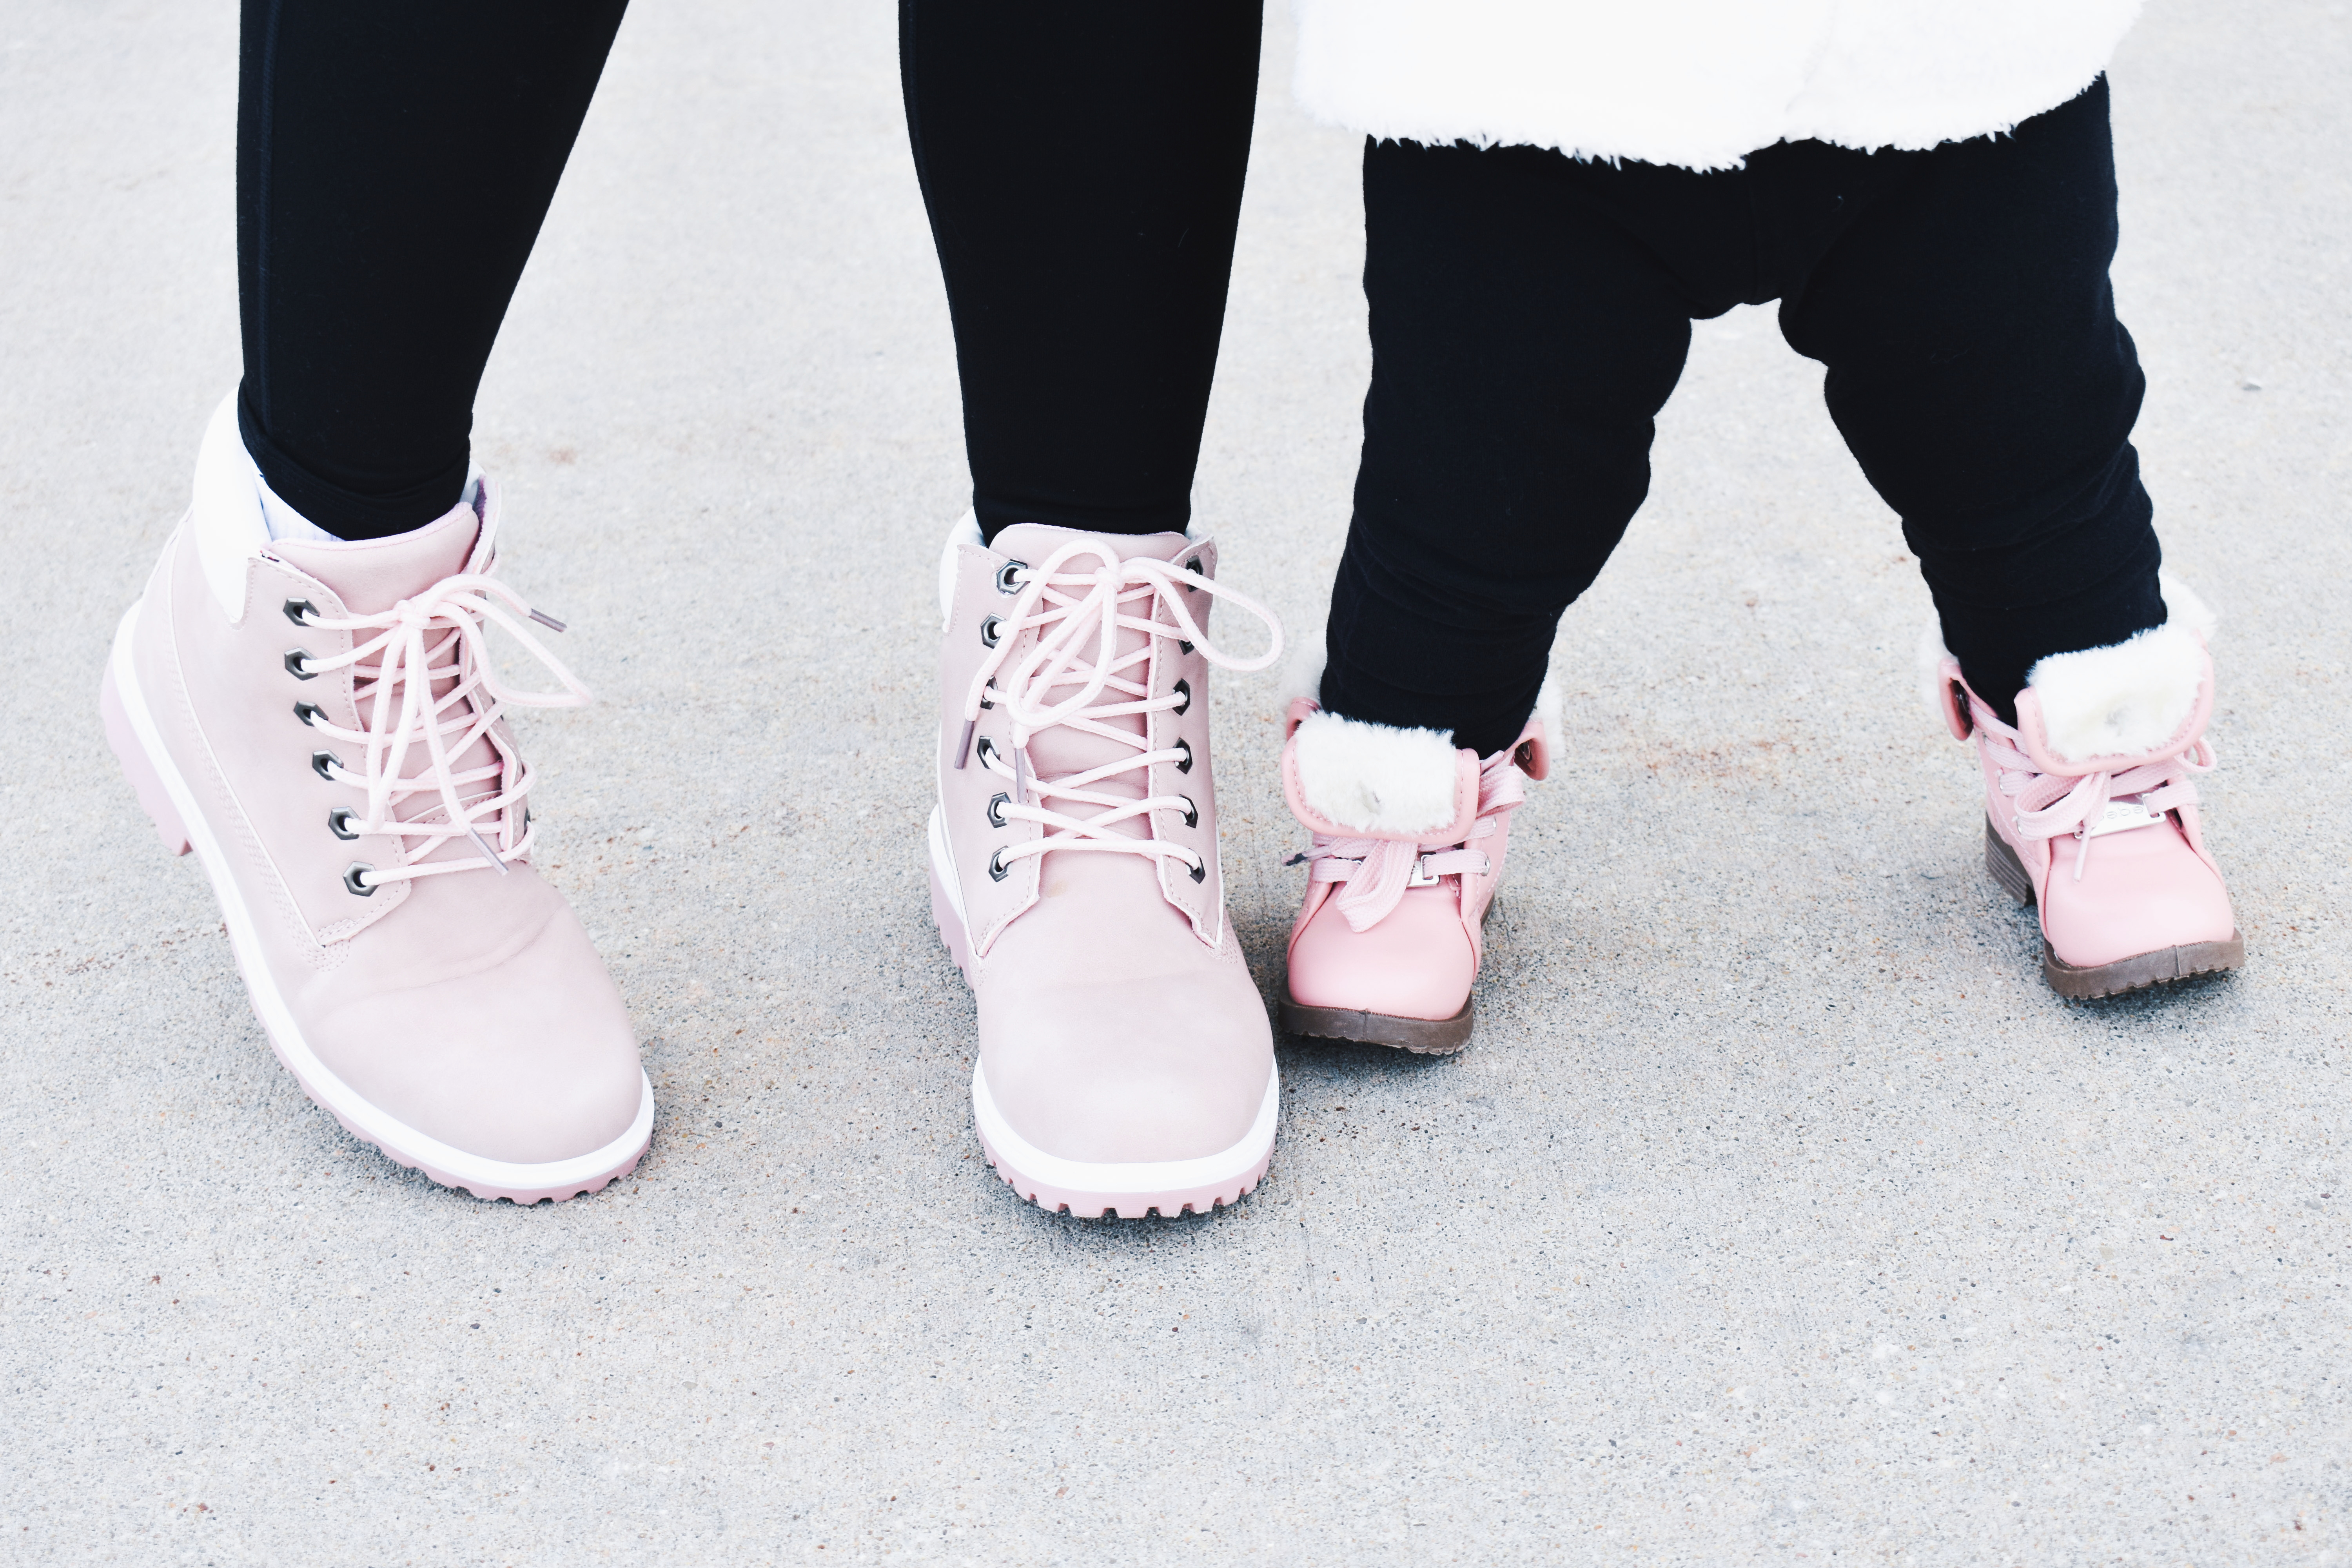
(1977,371)
(1525,333)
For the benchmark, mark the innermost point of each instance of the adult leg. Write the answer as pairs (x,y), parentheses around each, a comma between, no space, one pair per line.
(1523,341)
(394,161)
(1977,369)
(1082,165)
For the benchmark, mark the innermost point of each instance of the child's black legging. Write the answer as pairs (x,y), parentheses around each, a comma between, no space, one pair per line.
(1082,163)
(1530,313)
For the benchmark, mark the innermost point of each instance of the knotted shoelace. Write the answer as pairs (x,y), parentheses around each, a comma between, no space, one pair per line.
(1376,871)
(1080,615)
(439,639)
(2049,805)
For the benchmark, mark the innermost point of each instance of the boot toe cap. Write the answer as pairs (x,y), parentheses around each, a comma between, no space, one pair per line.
(528,1061)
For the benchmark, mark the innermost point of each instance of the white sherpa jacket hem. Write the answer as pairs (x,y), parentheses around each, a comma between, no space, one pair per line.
(1700,83)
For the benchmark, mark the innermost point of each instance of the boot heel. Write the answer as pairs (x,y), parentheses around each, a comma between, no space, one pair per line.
(144,780)
(2006,867)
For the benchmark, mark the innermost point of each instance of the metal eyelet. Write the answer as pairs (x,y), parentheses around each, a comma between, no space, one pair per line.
(1183,647)
(989,634)
(985,750)
(1184,689)
(339,823)
(296,658)
(308,713)
(322,761)
(1200,872)
(353,874)
(301,612)
(997,869)
(999,798)
(1193,565)
(984,703)
(1192,812)
(1186,747)
(1004,583)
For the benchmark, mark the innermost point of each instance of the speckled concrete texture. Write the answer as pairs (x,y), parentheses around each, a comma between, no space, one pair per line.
(1778,1212)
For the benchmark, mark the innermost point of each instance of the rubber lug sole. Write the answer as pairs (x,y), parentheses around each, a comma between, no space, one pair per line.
(2086,982)
(1423,1036)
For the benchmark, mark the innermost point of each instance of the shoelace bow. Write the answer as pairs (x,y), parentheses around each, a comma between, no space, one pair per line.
(1377,871)
(1080,615)
(2049,805)
(440,636)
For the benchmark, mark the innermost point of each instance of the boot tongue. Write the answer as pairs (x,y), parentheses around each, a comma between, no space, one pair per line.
(371,575)
(1062,750)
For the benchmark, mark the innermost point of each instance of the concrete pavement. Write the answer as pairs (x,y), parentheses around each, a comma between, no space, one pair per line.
(1777,1214)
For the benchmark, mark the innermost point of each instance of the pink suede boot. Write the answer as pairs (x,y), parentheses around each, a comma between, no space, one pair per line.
(321,723)
(1410,837)
(1125,1063)
(2090,810)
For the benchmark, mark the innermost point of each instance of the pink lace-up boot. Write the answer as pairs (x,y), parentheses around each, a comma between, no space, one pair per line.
(1125,1061)
(1410,837)
(321,722)
(2091,810)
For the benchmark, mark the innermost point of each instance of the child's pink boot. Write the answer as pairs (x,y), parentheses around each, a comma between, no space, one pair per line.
(320,722)
(2090,810)
(1409,835)
(1125,1063)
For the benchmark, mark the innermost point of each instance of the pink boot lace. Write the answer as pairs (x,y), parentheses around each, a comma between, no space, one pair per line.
(1081,613)
(426,677)
(1377,871)
(2048,804)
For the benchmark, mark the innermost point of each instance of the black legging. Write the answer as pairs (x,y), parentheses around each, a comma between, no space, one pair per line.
(1082,163)
(1530,313)
(395,159)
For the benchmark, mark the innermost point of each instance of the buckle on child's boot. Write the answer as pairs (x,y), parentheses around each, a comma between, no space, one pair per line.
(2120,817)
(1420,875)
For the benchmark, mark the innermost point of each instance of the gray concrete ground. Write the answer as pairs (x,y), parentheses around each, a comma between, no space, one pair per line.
(1778,1212)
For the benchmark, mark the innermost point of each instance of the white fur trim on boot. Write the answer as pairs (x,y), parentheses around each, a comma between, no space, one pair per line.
(1375,777)
(1378,778)
(2115,700)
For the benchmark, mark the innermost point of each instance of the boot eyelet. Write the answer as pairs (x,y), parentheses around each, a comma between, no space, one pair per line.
(308,713)
(1183,647)
(997,869)
(1193,565)
(1183,690)
(296,658)
(985,750)
(323,763)
(1004,583)
(355,876)
(1200,872)
(301,612)
(984,703)
(339,823)
(989,634)
(1186,747)
(1192,812)
(998,799)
